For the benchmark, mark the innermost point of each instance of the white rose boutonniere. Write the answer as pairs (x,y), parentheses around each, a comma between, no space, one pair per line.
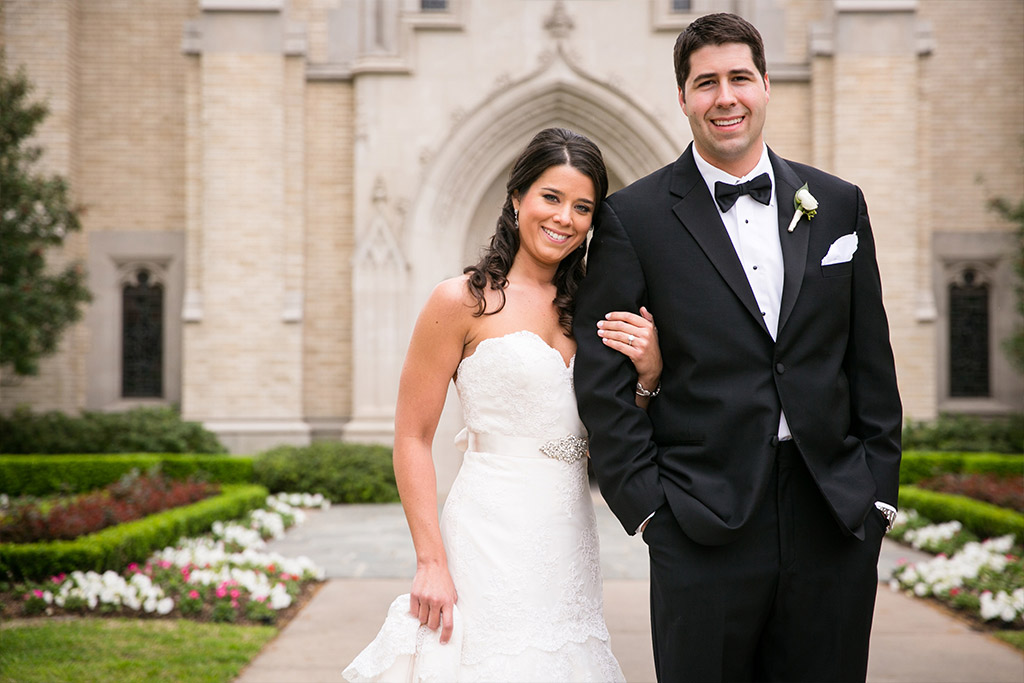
(806,205)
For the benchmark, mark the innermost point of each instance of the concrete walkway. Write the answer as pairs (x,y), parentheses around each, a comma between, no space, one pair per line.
(368,556)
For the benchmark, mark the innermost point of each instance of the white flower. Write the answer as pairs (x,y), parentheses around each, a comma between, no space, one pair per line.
(931,536)
(805,200)
(805,205)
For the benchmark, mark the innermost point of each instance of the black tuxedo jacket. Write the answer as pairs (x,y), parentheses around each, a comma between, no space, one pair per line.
(707,443)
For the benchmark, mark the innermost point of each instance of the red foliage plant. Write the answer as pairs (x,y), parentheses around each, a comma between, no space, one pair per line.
(133,497)
(1007,492)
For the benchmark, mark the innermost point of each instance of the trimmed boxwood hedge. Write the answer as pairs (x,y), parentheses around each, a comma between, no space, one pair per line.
(341,472)
(157,429)
(984,519)
(917,465)
(116,547)
(40,475)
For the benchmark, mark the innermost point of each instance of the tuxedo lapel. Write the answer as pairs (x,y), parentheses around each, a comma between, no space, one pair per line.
(697,211)
(794,244)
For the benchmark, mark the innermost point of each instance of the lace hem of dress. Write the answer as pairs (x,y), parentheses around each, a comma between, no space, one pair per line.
(404,650)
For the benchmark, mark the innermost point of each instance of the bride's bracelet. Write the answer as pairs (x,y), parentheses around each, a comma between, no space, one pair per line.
(644,393)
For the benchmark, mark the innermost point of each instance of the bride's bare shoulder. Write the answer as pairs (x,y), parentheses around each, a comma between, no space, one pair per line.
(452,300)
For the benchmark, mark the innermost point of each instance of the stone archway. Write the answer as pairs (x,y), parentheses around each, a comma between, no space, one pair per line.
(457,191)
(482,146)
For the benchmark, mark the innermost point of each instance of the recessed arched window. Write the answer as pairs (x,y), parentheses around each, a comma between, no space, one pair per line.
(969,335)
(142,335)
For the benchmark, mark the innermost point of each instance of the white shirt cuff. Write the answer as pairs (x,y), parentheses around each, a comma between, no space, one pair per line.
(643,522)
(884,506)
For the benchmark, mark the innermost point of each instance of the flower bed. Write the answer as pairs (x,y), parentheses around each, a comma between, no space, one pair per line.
(132,497)
(1007,492)
(982,579)
(226,575)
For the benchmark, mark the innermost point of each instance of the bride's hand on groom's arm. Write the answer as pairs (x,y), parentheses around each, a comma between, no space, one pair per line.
(432,598)
(636,337)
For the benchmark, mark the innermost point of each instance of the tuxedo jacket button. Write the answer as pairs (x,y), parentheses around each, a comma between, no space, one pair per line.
(780,368)
(774,441)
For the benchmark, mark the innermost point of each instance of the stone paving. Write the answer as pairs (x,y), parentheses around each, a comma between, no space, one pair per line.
(368,556)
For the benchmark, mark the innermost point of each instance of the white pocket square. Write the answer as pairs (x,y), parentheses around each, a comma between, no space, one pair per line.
(841,250)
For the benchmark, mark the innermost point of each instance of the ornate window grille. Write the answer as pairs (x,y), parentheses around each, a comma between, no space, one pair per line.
(969,335)
(142,331)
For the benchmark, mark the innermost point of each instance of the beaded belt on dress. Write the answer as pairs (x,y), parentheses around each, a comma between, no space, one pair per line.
(567,449)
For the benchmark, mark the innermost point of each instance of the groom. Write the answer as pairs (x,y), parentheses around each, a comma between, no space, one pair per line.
(765,471)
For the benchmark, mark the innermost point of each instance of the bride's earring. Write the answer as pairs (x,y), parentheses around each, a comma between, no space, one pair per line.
(516,212)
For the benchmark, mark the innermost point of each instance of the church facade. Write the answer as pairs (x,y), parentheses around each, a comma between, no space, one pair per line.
(271,188)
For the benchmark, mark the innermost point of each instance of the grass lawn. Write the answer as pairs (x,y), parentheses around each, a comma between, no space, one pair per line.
(1015,638)
(127,650)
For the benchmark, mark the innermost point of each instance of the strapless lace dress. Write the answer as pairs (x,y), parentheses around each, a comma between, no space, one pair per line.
(520,534)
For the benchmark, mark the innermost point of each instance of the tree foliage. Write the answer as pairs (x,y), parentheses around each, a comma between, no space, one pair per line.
(1014,213)
(37,303)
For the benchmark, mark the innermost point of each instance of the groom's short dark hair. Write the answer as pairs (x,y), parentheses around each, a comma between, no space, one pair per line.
(716,29)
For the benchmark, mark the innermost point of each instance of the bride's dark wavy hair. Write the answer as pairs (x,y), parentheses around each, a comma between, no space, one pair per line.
(550,147)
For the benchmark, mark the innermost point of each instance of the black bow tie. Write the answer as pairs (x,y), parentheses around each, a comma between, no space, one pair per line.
(760,188)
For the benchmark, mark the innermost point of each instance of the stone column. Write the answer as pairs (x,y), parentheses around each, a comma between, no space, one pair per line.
(870,125)
(380,285)
(242,371)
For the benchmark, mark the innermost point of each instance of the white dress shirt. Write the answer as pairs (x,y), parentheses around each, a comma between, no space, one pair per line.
(754,231)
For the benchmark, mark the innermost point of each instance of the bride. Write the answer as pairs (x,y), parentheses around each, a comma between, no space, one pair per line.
(508,583)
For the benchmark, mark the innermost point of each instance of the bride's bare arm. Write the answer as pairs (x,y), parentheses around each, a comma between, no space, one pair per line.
(636,337)
(433,357)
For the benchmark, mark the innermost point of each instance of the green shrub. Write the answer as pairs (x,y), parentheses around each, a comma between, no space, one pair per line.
(116,547)
(966,433)
(342,472)
(40,475)
(983,519)
(142,430)
(916,466)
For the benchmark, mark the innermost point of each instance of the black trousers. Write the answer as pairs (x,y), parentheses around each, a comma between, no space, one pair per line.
(790,600)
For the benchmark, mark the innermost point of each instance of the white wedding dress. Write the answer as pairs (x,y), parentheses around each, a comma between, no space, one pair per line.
(520,534)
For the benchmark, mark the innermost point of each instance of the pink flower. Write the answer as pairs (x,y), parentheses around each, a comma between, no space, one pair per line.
(234,603)
(954,591)
(164,564)
(133,567)
(38,593)
(194,594)
(271,568)
(221,592)
(262,598)
(235,593)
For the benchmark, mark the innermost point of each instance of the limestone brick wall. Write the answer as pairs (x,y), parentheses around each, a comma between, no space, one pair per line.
(327,340)
(788,129)
(242,355)
(876,146)
(977,149)
(132,115)
(976,153)
(42,38)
